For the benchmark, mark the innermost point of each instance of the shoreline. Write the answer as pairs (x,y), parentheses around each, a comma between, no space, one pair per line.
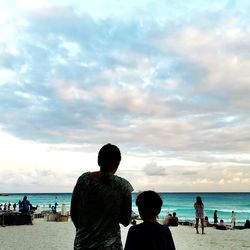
(60,235)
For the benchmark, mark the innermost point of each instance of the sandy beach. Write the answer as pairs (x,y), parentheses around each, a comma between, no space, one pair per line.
(60,235)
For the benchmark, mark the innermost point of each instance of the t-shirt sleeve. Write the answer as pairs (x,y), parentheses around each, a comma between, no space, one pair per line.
(82,180)
(126,187)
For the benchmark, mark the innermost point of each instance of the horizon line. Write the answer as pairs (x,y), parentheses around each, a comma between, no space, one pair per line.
(139,191)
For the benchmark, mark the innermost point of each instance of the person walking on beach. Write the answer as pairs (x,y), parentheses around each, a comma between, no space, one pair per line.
(233,219)
(199,214)
(215,217)
(100,201)
(149,234)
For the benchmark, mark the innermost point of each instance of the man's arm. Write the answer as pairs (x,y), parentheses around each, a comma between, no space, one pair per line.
(126,209)
(74,207)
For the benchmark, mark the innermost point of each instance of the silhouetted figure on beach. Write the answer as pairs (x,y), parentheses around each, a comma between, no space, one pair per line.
(215,217)
(221,225)
(14,206)
(19,205)
(206,222)
(199,214)
(25,205)
(167,218)
(173,220)
(149,234)
(32,209)
(53,208)
(233,219)
(247,224)
(100,201)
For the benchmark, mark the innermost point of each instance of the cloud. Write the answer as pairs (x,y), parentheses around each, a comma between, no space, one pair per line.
(34,179)
(189,173)
(152,169)
(222,58)
(166,81)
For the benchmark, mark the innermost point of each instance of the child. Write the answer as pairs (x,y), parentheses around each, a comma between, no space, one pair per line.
(149,234)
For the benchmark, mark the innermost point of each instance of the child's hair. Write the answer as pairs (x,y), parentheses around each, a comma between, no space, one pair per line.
(149,204)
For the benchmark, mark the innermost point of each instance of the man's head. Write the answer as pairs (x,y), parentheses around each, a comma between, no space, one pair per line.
(109,158)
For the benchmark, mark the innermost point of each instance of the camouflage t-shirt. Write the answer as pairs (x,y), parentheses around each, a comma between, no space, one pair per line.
(99,212)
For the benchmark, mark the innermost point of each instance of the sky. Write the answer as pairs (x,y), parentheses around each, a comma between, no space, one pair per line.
(166,81)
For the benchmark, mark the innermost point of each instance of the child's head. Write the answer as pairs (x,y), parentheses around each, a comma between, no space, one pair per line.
(149,204)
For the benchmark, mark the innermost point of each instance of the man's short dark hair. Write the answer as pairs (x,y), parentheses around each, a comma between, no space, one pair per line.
(109,156)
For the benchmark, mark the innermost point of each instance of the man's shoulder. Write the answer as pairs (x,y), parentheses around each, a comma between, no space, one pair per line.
(122,182)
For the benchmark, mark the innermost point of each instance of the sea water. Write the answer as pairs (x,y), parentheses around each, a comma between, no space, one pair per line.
(181,203)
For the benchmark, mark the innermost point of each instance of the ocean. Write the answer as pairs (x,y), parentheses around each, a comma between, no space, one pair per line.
(181,203)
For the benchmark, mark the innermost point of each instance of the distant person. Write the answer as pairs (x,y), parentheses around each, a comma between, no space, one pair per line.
(25,205)
(9,205)
(100,201)
(206,222)
(53,208)
(167,218)
(221,225)
(215,217)
(149,234)
(199,214)
(14,206)
(247,224)
(5,206)
(19,205)
(32,209)
(233,219)
(173,221)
